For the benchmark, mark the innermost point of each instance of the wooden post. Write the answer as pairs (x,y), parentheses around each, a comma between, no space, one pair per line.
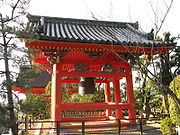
(56,93)
(26,124)
(83,127)
(130,94)
(140,125)
(117,98)
(58,127)
(119,126)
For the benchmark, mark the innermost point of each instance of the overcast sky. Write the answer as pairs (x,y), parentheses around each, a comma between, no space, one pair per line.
(113,10)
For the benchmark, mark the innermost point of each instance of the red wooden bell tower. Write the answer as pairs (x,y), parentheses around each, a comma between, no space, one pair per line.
(73,48)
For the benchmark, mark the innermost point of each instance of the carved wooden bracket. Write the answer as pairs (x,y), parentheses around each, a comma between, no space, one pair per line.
(80,67)
(93,55)
(54,55)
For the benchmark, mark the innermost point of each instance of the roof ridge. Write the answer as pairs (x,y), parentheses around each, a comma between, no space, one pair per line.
(36,18)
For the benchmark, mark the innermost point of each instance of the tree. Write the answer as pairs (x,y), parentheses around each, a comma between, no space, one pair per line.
(173,107)
(169,65)
(37,107)
(141,79)
(150,99)
(169,123)
(158,74)
(5,120)
(165,76)
(166,67)
(10,23)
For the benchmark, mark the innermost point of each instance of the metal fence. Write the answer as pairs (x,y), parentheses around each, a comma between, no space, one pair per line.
(88,127)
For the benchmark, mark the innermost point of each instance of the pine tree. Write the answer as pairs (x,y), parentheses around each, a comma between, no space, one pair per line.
(11,13)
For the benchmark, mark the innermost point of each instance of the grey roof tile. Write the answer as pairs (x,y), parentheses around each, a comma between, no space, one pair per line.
(41,80)
(91,31)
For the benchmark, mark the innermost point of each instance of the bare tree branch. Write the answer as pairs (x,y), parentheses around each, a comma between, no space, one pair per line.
(14,8)
(164,18)
(165,4)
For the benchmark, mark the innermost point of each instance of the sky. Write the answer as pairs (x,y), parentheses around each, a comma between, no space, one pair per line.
(113,10)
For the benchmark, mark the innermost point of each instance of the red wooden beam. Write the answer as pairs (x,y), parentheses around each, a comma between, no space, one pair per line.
(53,45)
(77,81)
(93,106)
(85,118)
(91,74)
(101,62)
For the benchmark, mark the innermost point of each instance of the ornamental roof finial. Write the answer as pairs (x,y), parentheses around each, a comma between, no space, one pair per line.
(42,21)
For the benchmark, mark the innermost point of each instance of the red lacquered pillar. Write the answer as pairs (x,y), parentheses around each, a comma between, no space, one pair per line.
(56,93)
(130,94)
(118,111)
(108,98)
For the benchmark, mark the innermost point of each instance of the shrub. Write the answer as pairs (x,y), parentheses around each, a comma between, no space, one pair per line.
(173,107)
(167,127)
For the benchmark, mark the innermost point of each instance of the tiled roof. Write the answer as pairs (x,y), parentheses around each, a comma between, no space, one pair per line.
(38,81)
(41,80)
(90,31)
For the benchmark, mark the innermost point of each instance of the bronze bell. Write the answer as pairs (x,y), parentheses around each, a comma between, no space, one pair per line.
(86,85)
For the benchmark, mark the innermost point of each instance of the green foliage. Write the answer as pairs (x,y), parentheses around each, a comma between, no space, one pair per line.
(98,96)
(28,33)
(151,91)
(173,107)
(155,97)
(36,106)
(48,88)
(65,97)
(165,67)
(75,85)
(123,93)
(142,68)
(174,60)
(87,98)
(4,118)
(77,98)
(138,99)
(167,127)
(168,124)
